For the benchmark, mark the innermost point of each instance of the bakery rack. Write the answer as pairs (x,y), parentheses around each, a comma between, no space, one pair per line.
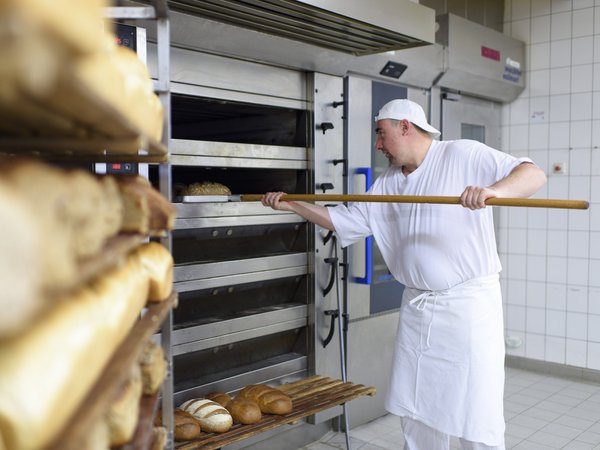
(309,396)
(98,399)
(114,139)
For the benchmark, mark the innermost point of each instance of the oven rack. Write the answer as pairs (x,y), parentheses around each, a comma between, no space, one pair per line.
(309,396)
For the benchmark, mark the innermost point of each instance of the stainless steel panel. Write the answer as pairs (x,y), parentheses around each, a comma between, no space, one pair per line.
(237,150)
(215,341)
(228,210)
(185,88)
(481,61)
(234,75)
(202,222)
(359,142)
(199,160)
(229,280)
(246,323)
(465,110)
(370,352)
(225,268)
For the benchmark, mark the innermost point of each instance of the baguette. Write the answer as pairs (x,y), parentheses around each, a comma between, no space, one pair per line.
(123,411)
(213,417)
(146,211)
(46,371)
(20,265)
(270,400)
(157,261)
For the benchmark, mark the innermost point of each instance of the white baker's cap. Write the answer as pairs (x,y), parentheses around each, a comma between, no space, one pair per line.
(405,109)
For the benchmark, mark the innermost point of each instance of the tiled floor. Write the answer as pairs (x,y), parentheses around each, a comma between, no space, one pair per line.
(542,413)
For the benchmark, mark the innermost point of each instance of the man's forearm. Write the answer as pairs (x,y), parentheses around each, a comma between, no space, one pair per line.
(313,213)
(525,180)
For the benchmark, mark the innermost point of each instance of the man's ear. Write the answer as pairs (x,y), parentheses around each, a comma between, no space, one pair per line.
(404,126)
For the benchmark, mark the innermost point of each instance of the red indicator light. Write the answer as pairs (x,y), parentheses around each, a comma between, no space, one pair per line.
(116,166)
(487,52)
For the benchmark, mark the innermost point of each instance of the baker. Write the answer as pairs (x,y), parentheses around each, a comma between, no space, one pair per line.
(447,374)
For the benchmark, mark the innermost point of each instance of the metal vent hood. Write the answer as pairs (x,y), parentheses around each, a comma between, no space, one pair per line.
(350,26)
(336,37)
(480,61)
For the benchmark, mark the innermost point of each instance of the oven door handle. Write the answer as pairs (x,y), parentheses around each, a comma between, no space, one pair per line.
(367,279)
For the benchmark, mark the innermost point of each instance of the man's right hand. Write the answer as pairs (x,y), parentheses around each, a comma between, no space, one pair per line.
(273,200)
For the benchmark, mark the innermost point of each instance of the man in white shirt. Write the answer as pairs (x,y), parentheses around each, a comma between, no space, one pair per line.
(448,369)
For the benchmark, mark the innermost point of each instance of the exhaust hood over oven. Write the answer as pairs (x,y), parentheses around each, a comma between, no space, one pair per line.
(333,37)
(349,26)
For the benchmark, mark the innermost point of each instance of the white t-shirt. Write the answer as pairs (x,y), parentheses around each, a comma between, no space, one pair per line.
(427,246)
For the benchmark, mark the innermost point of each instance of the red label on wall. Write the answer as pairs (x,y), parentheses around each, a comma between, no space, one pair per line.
(487,52)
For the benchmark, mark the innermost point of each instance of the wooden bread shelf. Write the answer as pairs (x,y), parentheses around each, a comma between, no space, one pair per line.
(88,150)
(98,399)
(309,396)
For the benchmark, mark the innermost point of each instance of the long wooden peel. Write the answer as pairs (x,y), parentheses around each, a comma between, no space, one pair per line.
(528,202)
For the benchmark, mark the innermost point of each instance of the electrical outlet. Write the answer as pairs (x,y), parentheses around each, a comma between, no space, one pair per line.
(559,168)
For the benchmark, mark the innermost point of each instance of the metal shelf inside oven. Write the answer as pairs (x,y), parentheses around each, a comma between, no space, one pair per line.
(190,384)
(229,243)
(245,327)
(228,154)
(227,273)
(231,214)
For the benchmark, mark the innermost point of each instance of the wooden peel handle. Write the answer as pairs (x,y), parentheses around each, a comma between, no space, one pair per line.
(528,202)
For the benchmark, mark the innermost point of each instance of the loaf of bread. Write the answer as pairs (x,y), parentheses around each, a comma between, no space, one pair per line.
(244,411)
(206,188)
(270,400)
(185,426)
(77,210)
(221,398)
(157,261)
(20,265)
(213,417)
(153,367)
(97,437)
(159,438)
(146,211)
(46,371)
(123,411)
(76,26)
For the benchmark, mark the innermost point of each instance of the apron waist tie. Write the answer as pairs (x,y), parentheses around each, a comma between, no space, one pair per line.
(420,302)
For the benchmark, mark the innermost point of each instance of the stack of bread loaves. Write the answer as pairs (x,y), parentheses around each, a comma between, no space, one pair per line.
(219,411)
(64,75)
(46,370)
(57,332)
(53,220)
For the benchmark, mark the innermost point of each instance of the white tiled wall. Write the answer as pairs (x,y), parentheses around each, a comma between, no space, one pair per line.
(551,258)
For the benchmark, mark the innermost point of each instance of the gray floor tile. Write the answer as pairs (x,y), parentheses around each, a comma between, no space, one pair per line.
(542,413)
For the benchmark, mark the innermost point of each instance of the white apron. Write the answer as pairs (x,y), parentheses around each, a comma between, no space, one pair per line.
(448,367)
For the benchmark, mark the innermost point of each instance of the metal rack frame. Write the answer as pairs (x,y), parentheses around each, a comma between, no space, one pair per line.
(159,12)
